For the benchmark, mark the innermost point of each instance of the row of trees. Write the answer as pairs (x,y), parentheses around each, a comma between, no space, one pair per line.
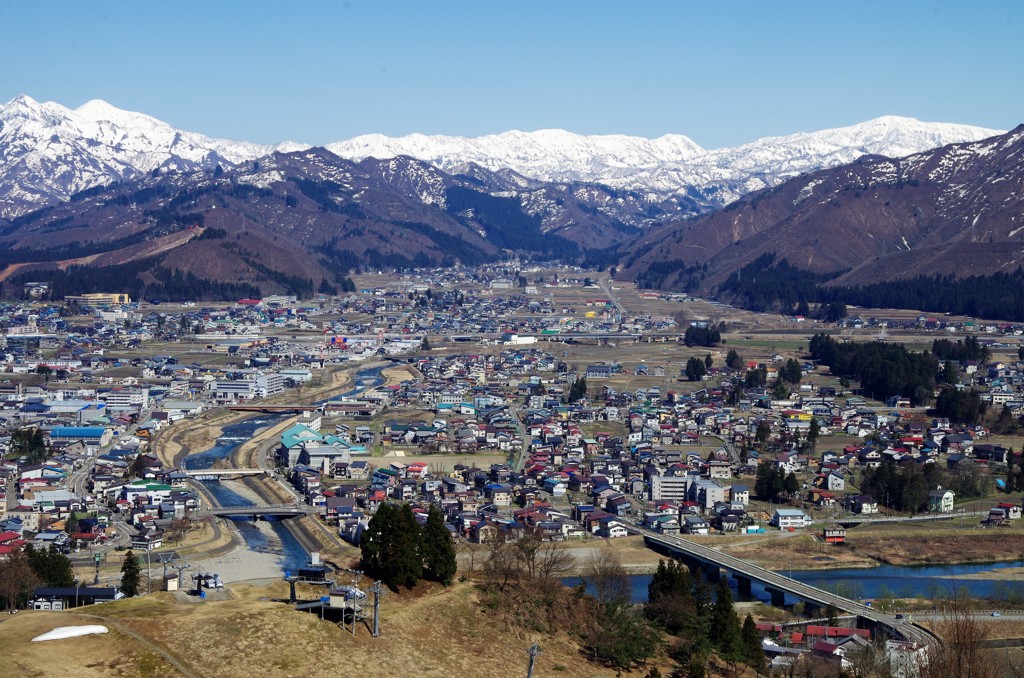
(395,549)
(709,335)
(959,351)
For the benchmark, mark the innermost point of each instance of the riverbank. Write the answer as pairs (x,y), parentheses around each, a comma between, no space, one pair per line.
(179,440)
(920,544)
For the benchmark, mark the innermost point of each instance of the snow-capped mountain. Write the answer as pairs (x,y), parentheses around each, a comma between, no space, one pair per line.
(49,152)
(670,165)
(953,210)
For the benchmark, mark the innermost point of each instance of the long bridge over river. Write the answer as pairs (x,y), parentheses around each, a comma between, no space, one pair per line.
(712,562)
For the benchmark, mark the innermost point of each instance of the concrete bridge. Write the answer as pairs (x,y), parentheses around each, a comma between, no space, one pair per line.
(273,409)
(261,510)
(215,473)
(712,562)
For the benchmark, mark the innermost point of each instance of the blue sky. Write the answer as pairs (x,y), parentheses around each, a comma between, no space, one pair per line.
(722,73)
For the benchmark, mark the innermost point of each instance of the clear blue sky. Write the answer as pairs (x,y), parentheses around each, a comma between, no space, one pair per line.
(722,73)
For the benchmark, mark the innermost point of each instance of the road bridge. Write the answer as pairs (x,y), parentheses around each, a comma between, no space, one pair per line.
(214,473)
(273,409)
(258,510)
(778,586)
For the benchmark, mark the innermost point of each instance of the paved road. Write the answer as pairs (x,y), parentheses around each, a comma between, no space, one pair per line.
(606,285)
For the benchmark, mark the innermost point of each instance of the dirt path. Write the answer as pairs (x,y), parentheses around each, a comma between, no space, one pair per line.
(142,640)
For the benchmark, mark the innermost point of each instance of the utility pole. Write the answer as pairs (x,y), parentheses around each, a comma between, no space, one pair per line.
(533,652)
(377,589)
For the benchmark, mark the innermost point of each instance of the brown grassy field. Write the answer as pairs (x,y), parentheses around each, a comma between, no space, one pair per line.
(908,544)
(428,632)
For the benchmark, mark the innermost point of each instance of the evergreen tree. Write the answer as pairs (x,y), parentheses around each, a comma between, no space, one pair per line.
(130,575)
(703,610)
(708,361)
(438,549)
(733,360)
(670,600)
(763,432)
(753,655)
(695,369)
(390,546)
(790,485)
(780,391)
(51,566)
(724,630)
(791,372)
(578,390)
(813,432)
(425,345)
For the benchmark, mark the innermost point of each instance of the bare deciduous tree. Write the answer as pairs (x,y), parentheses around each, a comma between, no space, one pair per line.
(608,579)
(961,653)
(16,578)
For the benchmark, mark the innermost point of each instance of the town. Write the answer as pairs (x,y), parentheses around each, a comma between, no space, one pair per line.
(518,401)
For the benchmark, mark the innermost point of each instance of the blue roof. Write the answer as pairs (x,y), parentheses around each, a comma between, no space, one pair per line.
(78,431)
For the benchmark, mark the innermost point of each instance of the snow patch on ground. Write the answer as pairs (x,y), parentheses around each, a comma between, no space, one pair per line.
(62,632)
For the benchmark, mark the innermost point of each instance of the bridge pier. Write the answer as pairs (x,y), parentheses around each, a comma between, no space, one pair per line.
(712,572)
(778,597)
(743,585)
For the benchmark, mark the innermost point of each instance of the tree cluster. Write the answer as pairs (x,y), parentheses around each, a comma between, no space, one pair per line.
(616,633)
(683,607)
(772,482)
(791,372)
(905,486)
(22,571)
(395,549)
(577,391)
(711,335)
(960,406)
(29,443)
(695,369)
(734,361)
(883,369)
(960,351)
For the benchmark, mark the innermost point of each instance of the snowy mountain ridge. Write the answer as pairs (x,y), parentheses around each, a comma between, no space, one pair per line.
(672,164)
(49,152)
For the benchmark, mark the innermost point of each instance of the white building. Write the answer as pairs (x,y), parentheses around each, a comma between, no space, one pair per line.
(787,518)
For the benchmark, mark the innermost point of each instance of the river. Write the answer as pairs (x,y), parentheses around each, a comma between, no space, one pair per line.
(291,552)
(928,582)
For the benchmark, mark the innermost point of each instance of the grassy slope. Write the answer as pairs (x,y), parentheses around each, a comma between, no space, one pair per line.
(431,632)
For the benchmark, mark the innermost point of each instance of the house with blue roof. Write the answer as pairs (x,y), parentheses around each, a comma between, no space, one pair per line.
(94,437)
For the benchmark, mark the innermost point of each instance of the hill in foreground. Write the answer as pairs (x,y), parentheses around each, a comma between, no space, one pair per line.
(429,632)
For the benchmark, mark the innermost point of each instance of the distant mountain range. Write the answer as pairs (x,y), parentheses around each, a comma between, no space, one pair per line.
(49,152)
(134,197)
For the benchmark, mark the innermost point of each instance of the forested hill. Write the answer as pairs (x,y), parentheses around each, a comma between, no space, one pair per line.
(940,222)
